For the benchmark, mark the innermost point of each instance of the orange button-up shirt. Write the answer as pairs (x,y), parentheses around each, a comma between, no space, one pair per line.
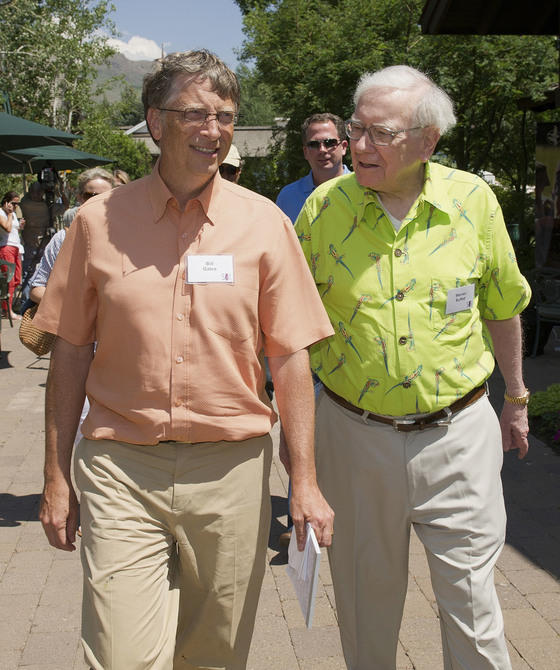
(178,361)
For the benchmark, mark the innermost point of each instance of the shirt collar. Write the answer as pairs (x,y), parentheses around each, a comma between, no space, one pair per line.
(160,195)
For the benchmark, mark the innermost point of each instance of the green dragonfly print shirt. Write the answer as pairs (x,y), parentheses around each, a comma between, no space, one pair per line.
(407,306)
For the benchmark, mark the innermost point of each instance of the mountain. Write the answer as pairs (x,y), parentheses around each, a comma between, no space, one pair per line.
(132,71)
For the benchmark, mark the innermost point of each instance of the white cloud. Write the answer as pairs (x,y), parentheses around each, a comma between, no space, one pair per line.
(137,48)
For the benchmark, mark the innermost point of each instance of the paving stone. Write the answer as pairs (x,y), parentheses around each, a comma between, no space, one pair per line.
(527,624)
(532,581)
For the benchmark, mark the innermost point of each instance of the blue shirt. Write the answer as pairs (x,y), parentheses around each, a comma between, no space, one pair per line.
(291,197)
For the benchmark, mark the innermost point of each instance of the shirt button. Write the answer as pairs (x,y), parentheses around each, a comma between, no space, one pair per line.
(178,402)
(400,296)
(184,236)
(180,316)
(406,385)
(403,340)
(179,359)
(398,253)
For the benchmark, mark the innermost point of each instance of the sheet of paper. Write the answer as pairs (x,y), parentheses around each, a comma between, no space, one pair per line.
(303,570)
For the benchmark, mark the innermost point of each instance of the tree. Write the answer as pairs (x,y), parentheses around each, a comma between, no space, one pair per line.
(49,53)
(312,54)
(100,137)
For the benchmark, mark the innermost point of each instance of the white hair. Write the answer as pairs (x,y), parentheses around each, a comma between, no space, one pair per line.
(434,107)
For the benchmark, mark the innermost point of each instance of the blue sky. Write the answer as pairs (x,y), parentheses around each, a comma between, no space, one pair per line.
(178,25)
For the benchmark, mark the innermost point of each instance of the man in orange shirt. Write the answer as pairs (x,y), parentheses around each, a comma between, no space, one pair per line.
(184,279)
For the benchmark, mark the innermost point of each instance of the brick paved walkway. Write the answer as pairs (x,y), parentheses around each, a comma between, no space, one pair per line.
(40,588)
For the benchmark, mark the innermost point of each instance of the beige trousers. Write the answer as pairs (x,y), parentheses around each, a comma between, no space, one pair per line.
(173,551)
(445,481)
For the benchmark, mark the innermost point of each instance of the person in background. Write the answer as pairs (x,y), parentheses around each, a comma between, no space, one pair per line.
(324,147)
(10,245)
(39,214)
(90,182)
(232,166)
(184,279)
(416,270)
(120,177)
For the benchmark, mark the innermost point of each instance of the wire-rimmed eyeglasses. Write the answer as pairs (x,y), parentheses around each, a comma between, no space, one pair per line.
(192,115)
(377,134)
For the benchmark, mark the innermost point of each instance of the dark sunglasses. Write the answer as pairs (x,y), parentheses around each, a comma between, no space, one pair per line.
(330,143)
(15,204)
(87,196)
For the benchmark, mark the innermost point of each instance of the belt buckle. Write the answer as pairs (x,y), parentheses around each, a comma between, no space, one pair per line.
(402,422)
(444,421)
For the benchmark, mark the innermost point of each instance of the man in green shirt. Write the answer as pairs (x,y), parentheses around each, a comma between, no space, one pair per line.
(417,273)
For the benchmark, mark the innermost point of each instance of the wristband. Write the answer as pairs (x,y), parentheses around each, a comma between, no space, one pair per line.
(519,399)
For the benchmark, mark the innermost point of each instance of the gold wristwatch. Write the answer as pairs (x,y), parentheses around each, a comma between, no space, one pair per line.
(518,399)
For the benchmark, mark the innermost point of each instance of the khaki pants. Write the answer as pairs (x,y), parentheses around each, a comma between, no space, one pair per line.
(445,481)
(173,551)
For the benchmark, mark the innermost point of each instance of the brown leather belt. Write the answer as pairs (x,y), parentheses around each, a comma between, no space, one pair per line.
(434,420)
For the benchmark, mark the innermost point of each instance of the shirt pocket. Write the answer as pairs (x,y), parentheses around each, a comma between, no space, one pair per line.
(228,310)
(447,327)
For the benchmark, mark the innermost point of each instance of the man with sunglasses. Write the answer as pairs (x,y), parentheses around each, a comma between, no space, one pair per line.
(416,270)
(184,279)
(324,147)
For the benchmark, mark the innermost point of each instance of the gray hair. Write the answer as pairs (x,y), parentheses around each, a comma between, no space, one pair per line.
(434,107)
(159,85)
(93,173)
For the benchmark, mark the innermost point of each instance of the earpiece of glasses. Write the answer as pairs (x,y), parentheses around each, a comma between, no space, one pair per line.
(225,118)
(329,143)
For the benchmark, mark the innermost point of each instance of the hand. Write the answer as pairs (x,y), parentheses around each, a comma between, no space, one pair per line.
(58,513)
(21,223)
(514,423)
(307,505)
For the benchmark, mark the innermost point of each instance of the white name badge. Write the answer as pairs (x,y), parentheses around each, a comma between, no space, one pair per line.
(208,269)
(459,299)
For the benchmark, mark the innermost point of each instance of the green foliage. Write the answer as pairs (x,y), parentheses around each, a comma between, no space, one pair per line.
(257,106)
(101,138)
(545,402)
(312,54)
(50,49)
(544,414)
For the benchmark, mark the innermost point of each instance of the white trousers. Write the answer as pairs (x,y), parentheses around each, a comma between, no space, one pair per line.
(445,481)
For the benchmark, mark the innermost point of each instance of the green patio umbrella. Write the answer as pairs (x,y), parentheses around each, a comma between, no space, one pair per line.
(18,133)
(34,159)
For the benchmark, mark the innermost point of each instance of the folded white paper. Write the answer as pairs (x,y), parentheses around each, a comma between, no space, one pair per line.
(303,570)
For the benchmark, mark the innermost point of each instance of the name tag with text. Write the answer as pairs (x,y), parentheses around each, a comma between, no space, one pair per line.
(459,299)
(209,268)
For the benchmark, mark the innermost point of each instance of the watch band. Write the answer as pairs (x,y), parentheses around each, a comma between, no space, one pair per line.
(519,399)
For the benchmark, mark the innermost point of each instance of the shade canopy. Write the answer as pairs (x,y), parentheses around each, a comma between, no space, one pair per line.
(490,17)
(59,157)
(18,133)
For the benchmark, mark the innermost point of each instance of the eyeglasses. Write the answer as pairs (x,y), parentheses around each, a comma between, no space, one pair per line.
(87,196)
(377,134)
(14,203)
(201,116)
(226,168)
(329,143)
